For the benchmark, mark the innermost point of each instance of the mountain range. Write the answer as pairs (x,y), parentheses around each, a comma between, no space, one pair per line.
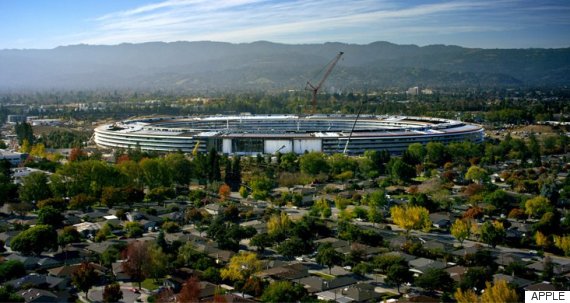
(210,66)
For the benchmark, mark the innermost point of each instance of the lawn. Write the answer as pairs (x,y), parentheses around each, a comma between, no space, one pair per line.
(151,284)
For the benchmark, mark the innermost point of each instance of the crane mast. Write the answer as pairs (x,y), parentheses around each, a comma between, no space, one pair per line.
(315,88)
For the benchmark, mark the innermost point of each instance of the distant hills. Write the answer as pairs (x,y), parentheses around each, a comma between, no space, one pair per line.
(205,66)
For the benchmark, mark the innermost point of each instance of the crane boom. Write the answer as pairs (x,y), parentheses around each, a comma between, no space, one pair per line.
(315,89)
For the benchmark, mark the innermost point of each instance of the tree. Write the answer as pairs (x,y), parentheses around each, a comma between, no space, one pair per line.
(82,201)
(50,216)
(398,274)
(77,154)
(9,294)
(476,174)
(292,247)
(224,192)
(241,266)
(468,296)
(34,187)
(112,293)
(327,255)
(278,224)
(542,240)
(563,243)
(313,163)
(411,217)
(500,292)
(11,269)
(461,229)
(435,279)
(190,291)
(133,229)
(260,187)
(493,233)
(283,291)
(67,236)
(136,259)
(323,208)
(537,206)
(261,241)
(157,264)
(111,196)
(436,153)
(25,132)
(35,240)
(84,277)
(400,170)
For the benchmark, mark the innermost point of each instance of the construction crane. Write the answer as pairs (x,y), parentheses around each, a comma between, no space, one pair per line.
(315,89)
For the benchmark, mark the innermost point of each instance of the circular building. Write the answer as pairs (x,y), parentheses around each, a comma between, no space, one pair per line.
(255,134)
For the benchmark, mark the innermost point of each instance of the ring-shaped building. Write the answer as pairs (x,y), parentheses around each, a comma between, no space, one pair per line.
(267,134)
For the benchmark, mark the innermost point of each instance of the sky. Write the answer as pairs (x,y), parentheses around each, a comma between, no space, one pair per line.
(26,24)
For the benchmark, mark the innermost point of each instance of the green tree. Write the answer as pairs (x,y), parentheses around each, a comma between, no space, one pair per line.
(283,291)
(67,236)
(9,294)
(133,229)
(313,163)
(493,233)
(436,153)
(35,240)
(157,264)
(35,187)
(50,216)
(398,274)
(11,269)
(476,174)
(292,247)
(400,170)
(261,241)
(435,279)
(327,255)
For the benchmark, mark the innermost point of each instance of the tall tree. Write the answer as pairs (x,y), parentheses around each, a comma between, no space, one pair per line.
(398,274)
(461,229)
(35,187)
(327,255)
(84,277)
(190,291)
(35,240)
(493,233)
(411,217)
(136,259)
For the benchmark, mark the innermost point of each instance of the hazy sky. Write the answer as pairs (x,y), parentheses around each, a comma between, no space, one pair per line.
(471,23)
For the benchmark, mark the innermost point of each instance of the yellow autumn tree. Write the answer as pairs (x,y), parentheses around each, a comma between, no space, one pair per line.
(38,150)
(278,223)
(542,240)
(537,206)
(563,242)
(500,292)
(25,147)
(411,217)
(467,296)
(241,266)
(461,230)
